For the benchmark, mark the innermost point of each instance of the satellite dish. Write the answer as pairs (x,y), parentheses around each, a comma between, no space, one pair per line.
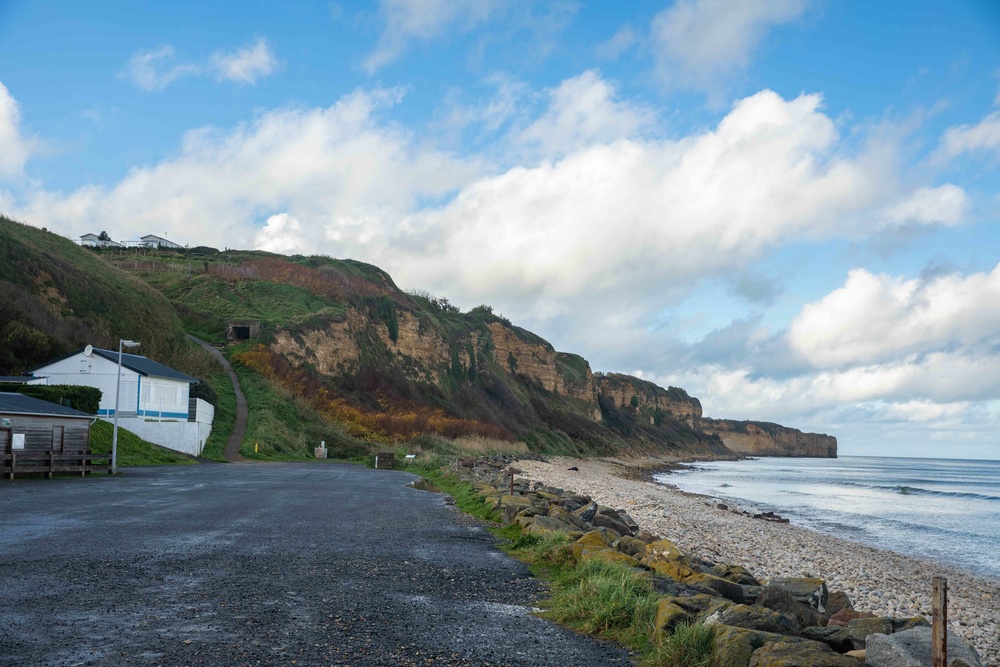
(87,351)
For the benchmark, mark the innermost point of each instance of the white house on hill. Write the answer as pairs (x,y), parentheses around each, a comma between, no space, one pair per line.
(154,401)
(151,241)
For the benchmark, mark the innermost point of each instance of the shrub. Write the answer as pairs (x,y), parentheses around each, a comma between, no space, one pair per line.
(84,399)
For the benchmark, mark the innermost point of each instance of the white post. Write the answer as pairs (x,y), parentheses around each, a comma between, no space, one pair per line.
(118,390)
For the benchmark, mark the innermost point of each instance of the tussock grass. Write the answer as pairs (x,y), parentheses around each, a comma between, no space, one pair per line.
(690,645)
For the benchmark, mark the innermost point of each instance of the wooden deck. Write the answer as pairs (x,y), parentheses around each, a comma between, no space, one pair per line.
(24,463)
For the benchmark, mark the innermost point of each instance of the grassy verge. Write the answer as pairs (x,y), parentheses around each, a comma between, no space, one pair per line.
(132,450)
(594,597)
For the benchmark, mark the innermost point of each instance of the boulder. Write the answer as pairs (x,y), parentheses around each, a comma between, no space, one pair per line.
(734,573)
(664,558)
(753,618)
(629,522)
(573,502)
(861,628)
(631,546)
(801,654)
(567,517)
(734,647)
(781,601)
(674,610)
(607,520)
(913,647)
(726,589)
(901,624)
(839,639)
(595,545)
(546,525)
(586,512)
(837,601)
(845,616)
(806,590)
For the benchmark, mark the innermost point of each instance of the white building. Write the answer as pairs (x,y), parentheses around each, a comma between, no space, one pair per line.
(154,399)
(151,241)
(95,241)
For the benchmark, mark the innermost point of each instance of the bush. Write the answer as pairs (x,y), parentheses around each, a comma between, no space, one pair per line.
(84,399)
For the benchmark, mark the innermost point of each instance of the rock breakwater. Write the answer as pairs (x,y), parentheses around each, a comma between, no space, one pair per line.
(713,563)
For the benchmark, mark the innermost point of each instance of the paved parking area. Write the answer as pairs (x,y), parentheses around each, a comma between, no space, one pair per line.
(262,564)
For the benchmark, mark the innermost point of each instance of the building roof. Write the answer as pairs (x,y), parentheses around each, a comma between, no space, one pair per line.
(15,379)
(134,362)
(144,366)
(19,404)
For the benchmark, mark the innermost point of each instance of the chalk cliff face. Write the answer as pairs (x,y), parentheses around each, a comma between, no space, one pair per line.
(767,439)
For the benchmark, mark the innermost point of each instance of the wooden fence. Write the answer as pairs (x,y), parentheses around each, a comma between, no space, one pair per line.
(46,463)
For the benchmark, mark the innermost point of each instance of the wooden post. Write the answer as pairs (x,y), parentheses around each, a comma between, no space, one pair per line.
(939,622)
(51,465)
(13,464)
(512,483)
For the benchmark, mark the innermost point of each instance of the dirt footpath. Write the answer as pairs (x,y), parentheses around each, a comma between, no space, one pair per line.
(270,564)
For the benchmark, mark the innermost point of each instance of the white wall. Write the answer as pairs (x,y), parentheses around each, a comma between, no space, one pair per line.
(180,436)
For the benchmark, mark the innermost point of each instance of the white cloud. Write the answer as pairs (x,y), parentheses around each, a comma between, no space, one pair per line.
(983,136)
(880,318)
(407,21)
(154,69)
(14,147)
(946,205)
(699,42)
(582,112)
(341,175)
(619,43)
(245,65)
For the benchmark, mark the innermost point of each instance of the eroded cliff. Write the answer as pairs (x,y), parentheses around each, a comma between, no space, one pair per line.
(767,439)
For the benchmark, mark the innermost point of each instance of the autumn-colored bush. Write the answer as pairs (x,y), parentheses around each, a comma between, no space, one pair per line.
(394,422)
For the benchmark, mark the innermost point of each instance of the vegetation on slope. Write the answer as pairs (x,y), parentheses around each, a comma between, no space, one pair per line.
(132,450)
(56,297)
(388,398)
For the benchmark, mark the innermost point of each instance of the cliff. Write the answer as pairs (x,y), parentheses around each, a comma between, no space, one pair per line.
(767,439)
(390,365)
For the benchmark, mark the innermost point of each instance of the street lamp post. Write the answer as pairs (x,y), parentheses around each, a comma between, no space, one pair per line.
(118,391)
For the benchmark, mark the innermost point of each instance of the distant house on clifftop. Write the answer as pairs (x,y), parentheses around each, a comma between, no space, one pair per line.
(152,241)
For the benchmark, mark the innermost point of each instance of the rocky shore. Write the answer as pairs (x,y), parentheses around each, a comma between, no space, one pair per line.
(882,582)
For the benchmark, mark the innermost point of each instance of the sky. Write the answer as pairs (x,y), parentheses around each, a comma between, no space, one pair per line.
(789,208)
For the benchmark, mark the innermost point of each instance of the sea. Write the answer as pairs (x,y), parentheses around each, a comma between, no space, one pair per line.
(943,510)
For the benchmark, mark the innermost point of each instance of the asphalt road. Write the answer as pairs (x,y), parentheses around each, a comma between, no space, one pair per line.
(262,564)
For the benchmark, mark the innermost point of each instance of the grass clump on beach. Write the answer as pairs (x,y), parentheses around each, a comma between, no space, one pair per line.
(690,645)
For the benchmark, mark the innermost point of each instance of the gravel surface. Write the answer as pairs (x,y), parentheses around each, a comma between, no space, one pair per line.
(882,582)
(262,564)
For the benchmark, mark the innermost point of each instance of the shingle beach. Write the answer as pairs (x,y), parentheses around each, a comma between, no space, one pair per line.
(882,582)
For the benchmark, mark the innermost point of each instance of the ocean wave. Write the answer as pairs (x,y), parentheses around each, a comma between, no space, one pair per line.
(905,489)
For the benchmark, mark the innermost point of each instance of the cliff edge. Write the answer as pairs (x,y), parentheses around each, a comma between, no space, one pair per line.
(767,439)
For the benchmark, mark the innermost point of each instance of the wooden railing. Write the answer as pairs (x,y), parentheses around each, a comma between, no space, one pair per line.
(47,463)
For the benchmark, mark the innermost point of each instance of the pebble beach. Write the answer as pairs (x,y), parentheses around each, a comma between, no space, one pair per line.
(882,582)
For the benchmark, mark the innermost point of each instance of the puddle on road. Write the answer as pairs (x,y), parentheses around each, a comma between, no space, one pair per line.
(424,485)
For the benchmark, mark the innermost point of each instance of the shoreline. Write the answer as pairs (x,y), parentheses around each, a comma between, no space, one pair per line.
(877,580)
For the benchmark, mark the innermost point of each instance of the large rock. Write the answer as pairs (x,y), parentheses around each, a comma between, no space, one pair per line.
(631,546)
(734,646)
(546,525)
(838,601)
(845,616)
(913,647)
(672,611)
(806,590)
(781,601)
(726,589)
(734,573)
(861,628)
(608,520)
(803,654)
(839,639)
(753,618)
(596,545)
(587,512)
(567,517)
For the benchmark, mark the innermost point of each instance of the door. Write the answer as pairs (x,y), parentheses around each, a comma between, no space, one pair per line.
(5,440)
(57,439)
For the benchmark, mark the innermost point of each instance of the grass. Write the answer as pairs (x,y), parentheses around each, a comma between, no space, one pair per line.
(595,597)
(133,450)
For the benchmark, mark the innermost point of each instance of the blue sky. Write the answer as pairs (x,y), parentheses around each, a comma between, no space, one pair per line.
(788,208)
